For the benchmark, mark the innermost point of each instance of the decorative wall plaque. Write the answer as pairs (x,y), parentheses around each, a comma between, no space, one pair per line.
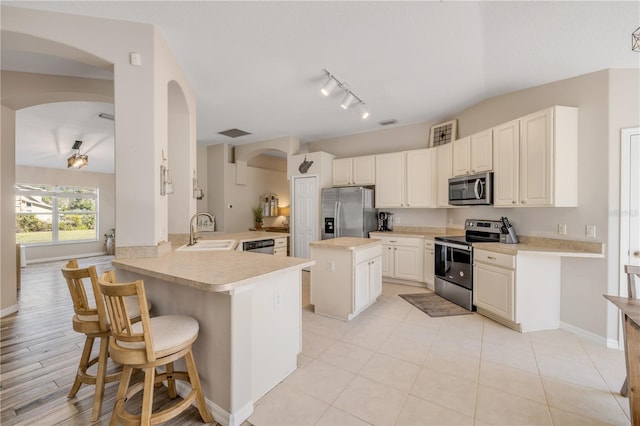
(305,165)
(442,133)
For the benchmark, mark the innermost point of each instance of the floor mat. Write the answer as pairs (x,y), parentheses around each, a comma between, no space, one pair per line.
(434,305)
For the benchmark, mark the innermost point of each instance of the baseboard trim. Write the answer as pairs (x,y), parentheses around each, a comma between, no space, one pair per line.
(79,256)
(219,414)
(580,332)
(8,311)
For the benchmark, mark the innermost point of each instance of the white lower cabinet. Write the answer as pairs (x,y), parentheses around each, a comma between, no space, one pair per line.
(402,258)
(429,263)
(521,291)
(280,246)
(345,280)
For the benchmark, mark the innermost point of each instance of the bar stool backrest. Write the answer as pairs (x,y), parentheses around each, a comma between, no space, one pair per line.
(127,337)
(85,311)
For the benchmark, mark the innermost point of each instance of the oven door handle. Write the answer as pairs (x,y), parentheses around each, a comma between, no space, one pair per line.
(453,245)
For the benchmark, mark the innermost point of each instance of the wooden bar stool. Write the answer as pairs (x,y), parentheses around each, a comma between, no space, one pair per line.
(150,343)
(92,321)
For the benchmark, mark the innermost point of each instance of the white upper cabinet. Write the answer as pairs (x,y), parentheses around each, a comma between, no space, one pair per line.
(390,180)
(421,179)
(354,171)
(506,173)
(473,154)
(539,167)
(406,179)
(444,171)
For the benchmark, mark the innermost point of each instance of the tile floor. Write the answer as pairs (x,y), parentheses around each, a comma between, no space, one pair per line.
(395,365)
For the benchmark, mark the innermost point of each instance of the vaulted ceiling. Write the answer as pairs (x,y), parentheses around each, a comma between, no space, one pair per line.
(258,66)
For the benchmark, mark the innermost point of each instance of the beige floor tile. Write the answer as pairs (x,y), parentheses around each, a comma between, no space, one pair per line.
(320,380)
(512,380)
(314,344)
(370,401)
(416,333)
(416,412)
(565,418)
(440,388)
(456,365)
(303,360)
(369,335)
(336,417)
(285,405)
(454,343)
(390,371)
(584,401)
(510,356)
(418,318)
(578,372)
(497,407)
(498,334)
(414,351)
(328,327)
(346,356)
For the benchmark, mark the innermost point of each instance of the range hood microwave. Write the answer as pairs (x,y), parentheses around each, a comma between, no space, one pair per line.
(471,190)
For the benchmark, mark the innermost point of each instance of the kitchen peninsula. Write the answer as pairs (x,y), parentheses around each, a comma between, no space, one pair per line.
(248,306)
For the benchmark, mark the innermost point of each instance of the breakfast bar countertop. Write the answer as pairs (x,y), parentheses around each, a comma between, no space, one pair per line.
(216,271)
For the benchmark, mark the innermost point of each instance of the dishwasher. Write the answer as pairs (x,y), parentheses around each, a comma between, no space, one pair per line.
(259,246)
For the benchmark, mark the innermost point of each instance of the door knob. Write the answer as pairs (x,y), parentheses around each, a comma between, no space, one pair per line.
(636,254)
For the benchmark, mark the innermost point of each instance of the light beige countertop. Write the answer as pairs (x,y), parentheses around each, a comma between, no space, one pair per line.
(546,246)
(346,243)
(418,232)
(215,271)
(178,240)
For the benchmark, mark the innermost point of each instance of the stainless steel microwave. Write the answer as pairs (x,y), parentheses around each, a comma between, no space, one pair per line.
(471,190)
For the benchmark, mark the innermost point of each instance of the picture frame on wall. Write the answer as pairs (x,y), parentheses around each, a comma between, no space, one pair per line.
(442,133)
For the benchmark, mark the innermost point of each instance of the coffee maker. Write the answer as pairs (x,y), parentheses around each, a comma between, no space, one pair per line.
(385,221)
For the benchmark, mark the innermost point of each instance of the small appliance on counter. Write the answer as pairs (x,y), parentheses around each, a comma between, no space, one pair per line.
(385,221)
(508,235)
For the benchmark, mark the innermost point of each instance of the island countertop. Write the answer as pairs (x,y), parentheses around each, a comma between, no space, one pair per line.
(346,243)
(215,271)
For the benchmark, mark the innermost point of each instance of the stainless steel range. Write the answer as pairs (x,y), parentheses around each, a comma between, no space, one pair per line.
(454,260)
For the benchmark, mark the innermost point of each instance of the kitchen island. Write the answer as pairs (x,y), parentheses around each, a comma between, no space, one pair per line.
(347,278)
(248,306)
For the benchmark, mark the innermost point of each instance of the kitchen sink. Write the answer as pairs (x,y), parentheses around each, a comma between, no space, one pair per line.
(204,245)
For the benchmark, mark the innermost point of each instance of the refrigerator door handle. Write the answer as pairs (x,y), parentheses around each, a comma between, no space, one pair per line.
(337,215)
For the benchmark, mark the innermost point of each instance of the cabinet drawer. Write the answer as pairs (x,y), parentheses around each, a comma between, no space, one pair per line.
(280,242)
(280,251)
(368,253)
(429,244)
(493,258)
(402,241)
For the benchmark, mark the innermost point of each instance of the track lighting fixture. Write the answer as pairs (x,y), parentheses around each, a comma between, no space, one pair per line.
(350,98)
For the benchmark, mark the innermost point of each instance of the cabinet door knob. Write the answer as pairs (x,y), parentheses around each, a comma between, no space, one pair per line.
(524,201)
(491,257)
(513,202)
(636,254)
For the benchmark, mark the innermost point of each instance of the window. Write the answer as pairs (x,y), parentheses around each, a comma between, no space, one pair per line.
(47,214)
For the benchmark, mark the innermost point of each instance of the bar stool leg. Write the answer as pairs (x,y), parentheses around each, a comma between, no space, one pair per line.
(82,367)
(171,383)
(121,395)
(195,385)
(101,376)
(147,395)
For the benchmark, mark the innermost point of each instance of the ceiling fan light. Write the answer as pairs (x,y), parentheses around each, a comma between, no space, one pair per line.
(347,101)
(329,86)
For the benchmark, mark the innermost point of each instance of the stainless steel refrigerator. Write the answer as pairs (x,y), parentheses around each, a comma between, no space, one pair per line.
(348,212)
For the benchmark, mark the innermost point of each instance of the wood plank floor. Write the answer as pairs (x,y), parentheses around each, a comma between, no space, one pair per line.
(39,354)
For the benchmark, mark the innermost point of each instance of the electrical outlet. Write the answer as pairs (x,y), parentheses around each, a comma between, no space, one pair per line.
(332,266)
(562,229)
(397,220)
(591,231)
(277,301)
(450,221)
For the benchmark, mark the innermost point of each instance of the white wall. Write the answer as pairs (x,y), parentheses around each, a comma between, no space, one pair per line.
(8,294)
(243,198)
(105,182)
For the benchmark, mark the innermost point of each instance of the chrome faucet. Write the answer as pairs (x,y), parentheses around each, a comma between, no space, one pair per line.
(192,239)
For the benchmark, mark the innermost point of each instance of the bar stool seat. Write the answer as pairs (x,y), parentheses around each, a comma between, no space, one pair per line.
(148,344)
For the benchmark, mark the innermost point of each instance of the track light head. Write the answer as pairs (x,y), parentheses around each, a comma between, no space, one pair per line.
(329,86)
(348,100)
(362,112)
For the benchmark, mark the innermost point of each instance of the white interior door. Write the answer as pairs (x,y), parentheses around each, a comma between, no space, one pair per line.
(629,200)
(304,214)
